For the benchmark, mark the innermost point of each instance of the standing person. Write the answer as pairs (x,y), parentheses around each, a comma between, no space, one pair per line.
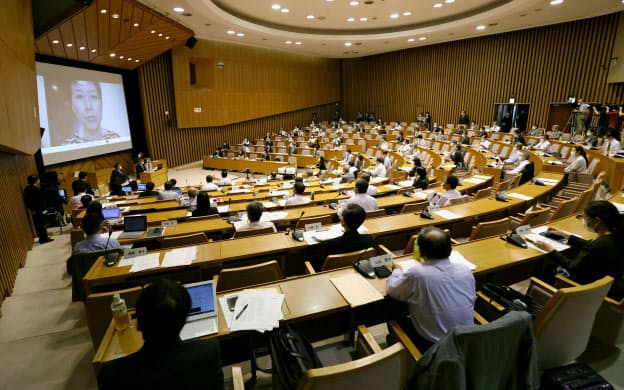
(505,123)
(164,361)
(139,168)
(581,116)
(118,177)
(35,201)
(464,119)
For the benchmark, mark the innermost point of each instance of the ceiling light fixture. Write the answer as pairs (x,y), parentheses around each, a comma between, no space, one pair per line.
(129,58)
(69,44)
(178,9)
(167,37)
(115,16)
(363,19)
(240,34)
(284,10)
(121,57)
(112,54)
(422,38)
(160,34)
(310,17)
(411,40)
(437,5)
(288,42)
(394,16)
(136,60)
(103,11)
(481,27)
(82,48)
(153,31)
(353,19)
(347,43)
(276,6)
(55,41)
(556,2)
(93,50)
(136,24)
(297,43)
(449,1)
(407,13)
(354,3)
(231,32)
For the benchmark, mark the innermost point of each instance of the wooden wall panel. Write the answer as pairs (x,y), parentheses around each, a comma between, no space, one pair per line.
(252,83)
(180,146)
(537,66)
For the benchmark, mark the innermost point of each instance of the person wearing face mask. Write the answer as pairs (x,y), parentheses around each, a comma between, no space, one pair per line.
(579,164)
(593,258)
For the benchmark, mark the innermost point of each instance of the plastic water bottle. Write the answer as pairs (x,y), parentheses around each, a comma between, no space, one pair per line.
(120,313)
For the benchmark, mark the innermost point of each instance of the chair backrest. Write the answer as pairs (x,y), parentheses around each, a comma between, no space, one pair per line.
(515,181)
(381,370)
(376,213)
(97,308)
(536,217)
(80,264)
(461,200)
(323,219)
(484,193)
(592,166)
(563,326)
(504,185)
(239,277)
(414,207)
(189,239)
(346,259)
(202,218)
(76,235)
(489,229)
(252,232)
(565,208)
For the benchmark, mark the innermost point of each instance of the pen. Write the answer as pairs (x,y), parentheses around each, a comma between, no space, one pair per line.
(242,311)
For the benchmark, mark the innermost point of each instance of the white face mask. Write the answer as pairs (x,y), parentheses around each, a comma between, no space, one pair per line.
(587,227)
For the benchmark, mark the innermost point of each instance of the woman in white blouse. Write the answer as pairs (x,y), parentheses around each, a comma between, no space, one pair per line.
(579,164)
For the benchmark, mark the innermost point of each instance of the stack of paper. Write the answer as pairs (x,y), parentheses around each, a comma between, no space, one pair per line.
(315,236)
(447,214)
(518,196)
(548,182)
(142,263)
(256,309)
(180,256)
(473,180)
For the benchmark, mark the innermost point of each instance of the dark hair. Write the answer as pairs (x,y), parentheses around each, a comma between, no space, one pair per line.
(95,207)
(82,175)
(417,162)
(203,201)
(32,179)
(208,178)
(421,172)
(299,187)
(134,186)
(366,176)
(608,214)
(452,181)
(162,308)
(173,181)
(434,243)
(361,185)
(224,173)
(353,216)
(79,186)
(150,186)
(91,222)
(254,211)
(168,186)
(581,151)
(86,200)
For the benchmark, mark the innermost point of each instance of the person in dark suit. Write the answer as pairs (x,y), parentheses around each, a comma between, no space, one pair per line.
(464,119)
(82,177)
(35,202)
(351,240)
(139,167)
(457,156)
(164,361)
(421,180)
(527,173)
(118,176)
(203,206)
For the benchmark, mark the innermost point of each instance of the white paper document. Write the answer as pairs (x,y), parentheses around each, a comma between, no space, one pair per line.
(315,236)
(142,263)
(115,235)
(518,196)
(548,182)
(180,256)
(392,187)
(473,180)
(446,214)
(355,289)
(223,209)
(534,236)
(255,309)
(458,258)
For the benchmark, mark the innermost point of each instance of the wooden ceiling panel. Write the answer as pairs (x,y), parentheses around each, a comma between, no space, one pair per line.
(106,34)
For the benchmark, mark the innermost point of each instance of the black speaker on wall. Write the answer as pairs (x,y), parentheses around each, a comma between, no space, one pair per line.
(85,2)
(191,42)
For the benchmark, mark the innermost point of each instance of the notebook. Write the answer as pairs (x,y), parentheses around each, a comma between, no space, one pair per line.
(202,318)
(134,226)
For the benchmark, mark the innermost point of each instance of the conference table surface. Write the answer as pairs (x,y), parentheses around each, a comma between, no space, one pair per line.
(489,255)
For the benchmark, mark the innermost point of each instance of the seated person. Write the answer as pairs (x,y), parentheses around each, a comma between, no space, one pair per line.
(421,180)
(209,185)
(359,163)
(360,197)
(543,144)
(450,184)
(595,258)
(116,190)
(203,205)
(484,143)
(380,168)
(611,145)
(191,202)
(149,190)
(515,155)
(92,226)
(372,190)
(254,213)
(348,172)
(82,177)
(168,193)
(579,162)
(440,295)
(164,361)
(386,160)
(522,163)
(85,201)
(175,188)
(457,156)
(298,198)
(224,179)
(80,190)
(353,217)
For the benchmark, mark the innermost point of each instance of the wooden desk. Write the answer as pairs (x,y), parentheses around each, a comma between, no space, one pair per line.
(210,226)
(242,165)
(158,175)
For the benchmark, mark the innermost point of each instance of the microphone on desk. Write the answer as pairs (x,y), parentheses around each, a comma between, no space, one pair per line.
(298,234)
(110,258)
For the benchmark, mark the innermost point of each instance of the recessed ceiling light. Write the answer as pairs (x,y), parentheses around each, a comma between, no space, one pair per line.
(363,19)
(407,13)
(178,9)
(136,60)
(121,57)
(69,44)
(353,19)
(231,32)
(136,24)
(153,31)
(556,2)
(276,6)
(93,50)
(310,17)
(82,48)
(240,34)
(347,43)
(331,1)
(115,16)
(103,11)
(394,16)
(449,1)
(55,41)
(112,54)
(297,43)
(437,5)
(422,38)
(167,37)
(411,40)
(481,27)
(284,10)
(288,42)
(160,34)
(129,58)
(354,3)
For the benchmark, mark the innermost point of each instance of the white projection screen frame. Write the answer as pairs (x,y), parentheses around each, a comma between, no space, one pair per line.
(83,112)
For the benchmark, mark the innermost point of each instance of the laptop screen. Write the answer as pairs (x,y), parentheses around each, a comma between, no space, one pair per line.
(126,189)
(142,187)
(135,223)
(202,298)
(61,193)
(110,213)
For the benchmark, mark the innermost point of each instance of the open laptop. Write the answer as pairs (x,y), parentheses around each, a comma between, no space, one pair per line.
(134,226)
(113,213)
(202,318)
(142,187)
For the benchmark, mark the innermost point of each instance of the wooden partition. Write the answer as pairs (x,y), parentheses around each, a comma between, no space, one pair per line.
(180,146)
(218,83)
(538,66)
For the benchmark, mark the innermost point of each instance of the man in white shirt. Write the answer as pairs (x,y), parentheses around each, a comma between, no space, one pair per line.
(360,197)
(298,198)
(611,145)
(543,144)
(450,184)
(514,157)
(372,190)
(440,294)
(224,179)
(405,149)
(348,157)
(380,169)
(384,145)
(523,162)
(254,213)
(76,200)
(209,185)
(484,144)
(386,160)
(168,193)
